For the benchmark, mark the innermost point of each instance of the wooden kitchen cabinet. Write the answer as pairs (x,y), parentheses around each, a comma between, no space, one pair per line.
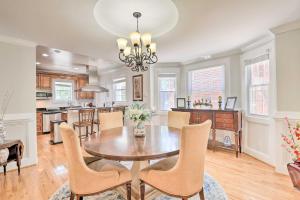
(81,82)
(39,123)
(43,81)
(46,81)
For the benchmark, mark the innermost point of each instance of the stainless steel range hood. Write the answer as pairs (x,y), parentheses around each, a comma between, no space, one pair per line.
(93,85)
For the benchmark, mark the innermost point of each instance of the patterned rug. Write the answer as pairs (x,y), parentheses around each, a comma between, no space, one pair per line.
(212,191)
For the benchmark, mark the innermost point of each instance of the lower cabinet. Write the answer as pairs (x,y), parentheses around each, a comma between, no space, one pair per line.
(39,123)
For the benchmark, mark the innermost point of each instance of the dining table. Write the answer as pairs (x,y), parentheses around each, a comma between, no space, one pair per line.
(120,144)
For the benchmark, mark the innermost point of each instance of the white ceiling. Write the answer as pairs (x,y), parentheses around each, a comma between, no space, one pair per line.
(116,16)
(204,26)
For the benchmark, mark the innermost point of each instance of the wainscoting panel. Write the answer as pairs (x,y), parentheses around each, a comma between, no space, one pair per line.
(22,126)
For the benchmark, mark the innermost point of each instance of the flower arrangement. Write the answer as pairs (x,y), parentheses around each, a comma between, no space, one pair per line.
(138,114)
(4,101)
(292,140)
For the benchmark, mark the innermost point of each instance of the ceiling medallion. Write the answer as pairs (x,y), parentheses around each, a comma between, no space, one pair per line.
(142,53)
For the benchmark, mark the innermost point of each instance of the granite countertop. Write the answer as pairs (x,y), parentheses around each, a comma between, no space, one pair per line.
(66,109)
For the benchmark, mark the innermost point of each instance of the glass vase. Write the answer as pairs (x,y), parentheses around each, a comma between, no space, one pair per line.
(2,131)
(139,129)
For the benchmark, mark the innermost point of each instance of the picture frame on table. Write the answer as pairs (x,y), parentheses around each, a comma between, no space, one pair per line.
(181,103)
(230,103)
(137,83)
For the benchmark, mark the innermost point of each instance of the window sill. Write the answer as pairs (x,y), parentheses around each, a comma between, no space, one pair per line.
(259,119)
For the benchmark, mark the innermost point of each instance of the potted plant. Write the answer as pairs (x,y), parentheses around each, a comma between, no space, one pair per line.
(139,115)
(291,141)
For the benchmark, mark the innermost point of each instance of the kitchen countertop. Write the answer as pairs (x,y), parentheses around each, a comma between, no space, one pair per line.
(65,109)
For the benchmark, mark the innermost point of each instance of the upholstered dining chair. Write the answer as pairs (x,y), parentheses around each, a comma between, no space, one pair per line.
(101,110)
(85,181)
(178,119)
(184,177)
(110,120)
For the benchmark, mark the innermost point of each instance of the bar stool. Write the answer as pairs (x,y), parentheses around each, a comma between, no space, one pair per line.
(86,119)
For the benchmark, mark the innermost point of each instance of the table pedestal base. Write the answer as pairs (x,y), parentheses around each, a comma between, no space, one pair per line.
(150,193)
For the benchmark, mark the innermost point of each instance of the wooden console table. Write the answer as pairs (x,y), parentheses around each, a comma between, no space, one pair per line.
(16,149)
(230,120)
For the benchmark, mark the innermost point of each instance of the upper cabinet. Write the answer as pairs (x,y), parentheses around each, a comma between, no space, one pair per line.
(81,82)
(43,81)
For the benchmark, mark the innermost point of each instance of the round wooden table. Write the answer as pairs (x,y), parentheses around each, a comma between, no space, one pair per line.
(121,145)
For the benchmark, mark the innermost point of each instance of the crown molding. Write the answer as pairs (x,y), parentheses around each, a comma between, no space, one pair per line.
(228,53)
(258,42)
(295,25)
(17,41)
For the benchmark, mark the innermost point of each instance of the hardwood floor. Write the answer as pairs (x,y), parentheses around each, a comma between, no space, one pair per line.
(243,178)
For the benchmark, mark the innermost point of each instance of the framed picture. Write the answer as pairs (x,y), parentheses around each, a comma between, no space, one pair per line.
(137,86)
(230,103)
(180,102)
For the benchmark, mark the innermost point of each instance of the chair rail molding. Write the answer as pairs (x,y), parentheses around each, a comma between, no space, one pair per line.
(23,126)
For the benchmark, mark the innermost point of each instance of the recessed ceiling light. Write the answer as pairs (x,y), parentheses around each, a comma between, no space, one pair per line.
(45,55)
(57,51)
(206,57)
(37,63)
(76,68)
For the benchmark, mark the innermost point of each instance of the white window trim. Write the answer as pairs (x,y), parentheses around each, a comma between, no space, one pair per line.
(53,90)
(119,80)
(174,75)
(248,79)
(226,78)
(213,63)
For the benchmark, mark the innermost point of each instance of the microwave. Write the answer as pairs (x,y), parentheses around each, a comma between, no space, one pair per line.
(43,95)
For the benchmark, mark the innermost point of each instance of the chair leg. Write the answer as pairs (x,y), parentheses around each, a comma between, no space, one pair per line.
(80,136)
(72,196)
(19,170)
(201,194)
(78,197)
(128,188)
(142,190)
(4,170)
(86,131)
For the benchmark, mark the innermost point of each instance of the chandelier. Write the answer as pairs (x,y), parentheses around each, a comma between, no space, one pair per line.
(142,53)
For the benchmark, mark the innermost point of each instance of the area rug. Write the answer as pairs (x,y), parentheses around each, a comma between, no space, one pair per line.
(212,191)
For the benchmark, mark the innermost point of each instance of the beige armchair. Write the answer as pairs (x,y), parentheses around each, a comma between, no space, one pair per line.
(85,181)
(178,119)
(110,120)
(183,178)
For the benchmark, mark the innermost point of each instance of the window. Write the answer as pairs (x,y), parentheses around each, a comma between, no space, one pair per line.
(167,91)
(208,83)
(119,88)
(258,87)
(63,91)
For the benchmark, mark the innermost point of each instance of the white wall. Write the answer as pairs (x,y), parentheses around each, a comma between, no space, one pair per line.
(288,70)
(17,73)
(287,80)
(106,80)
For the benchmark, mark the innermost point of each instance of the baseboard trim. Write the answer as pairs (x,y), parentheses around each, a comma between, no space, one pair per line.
(259,155)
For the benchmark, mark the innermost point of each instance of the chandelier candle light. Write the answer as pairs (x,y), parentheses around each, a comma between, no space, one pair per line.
(142,53)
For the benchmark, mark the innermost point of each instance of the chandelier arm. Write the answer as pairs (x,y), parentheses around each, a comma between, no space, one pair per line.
(152,59)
